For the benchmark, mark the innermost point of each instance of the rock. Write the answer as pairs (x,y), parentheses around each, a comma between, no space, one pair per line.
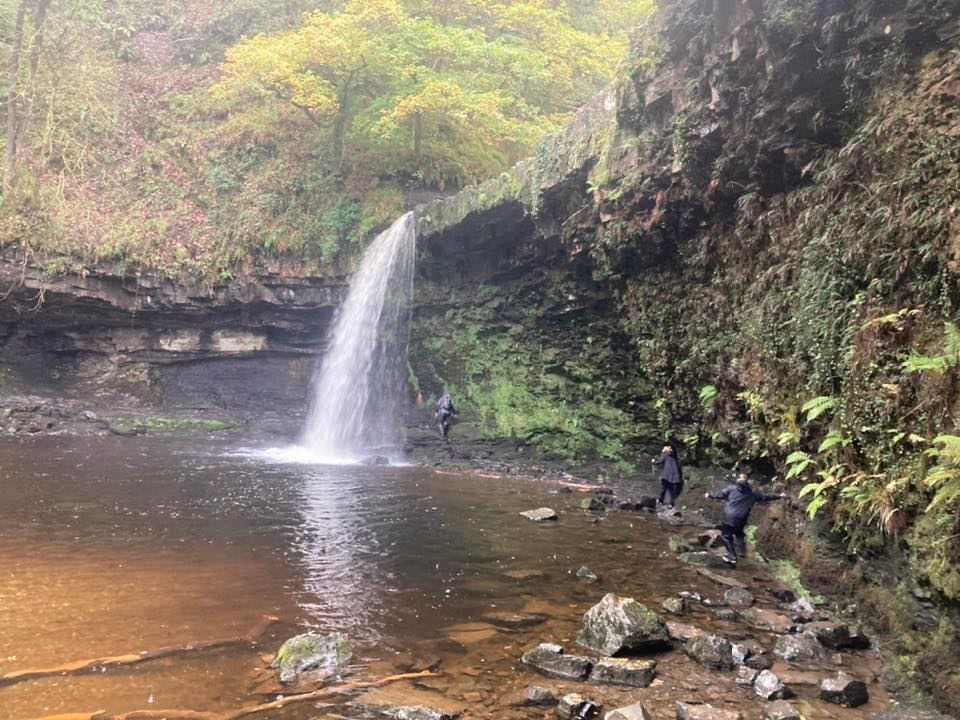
(524,575)
(627,506)
(543,514)
(418,713)
(906,712)
(759,661)
(323,655)
(802,611)
(770,620)
(703,559)
(592,504)
(630,712)
(678,544)
(781,710)
(769,687)
(858,639)
(622,626)
(802,648)
(89,415)
(376,461)
(712,651)
(725,614)
(575,705)
(624,671)
(686,711)
(587,575)
(738,597)
(470,633)
(514,620)
(710,539)
(833,635)
(536,695)
(691,596)
(549,660)
(784,596)
(675,605)
(746,676)
(647,502)
(683,632)
(844,690)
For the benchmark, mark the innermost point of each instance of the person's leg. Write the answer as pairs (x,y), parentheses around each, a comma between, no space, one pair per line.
(740,537)
(664,485)
(726,535)
(670,498)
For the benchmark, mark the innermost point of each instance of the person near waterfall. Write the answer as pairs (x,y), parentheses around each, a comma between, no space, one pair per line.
(671,476)
(740,499)
(445,409)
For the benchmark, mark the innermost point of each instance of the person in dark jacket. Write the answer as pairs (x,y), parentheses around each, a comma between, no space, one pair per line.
(671,476)
(445,409)
(740,499)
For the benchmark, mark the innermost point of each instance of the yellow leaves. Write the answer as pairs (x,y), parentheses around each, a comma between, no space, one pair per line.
(377,14)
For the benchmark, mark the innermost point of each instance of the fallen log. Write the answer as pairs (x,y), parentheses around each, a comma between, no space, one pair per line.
(81,666)
(341,689)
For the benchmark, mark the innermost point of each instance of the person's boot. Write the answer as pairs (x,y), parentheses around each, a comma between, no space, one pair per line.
(742,548)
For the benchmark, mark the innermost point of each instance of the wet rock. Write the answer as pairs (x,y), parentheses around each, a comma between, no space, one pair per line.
(320,655)
(738,597)
(470,633)
(647,502)
(592,504)
(781,710)
(769,687)
(688,711)
(844,690)
(711,651)
(906,712)
(858,639)
(536,695)
(802,648)
(627,506)
(587,575)
(691,596)
(630,712)
(376,461)
(671,516)
(418,712)
(624,671)
(575,705)
(784,596)
(675,605)
(622,626)
(770,620)
(746,676)
(683,632)
(759,661)
(802,611)
(678,544)
(549,660)
(725,614)
(524,575)
(543,514)
(514,620)
(833,635)
(703,559)
(710,539)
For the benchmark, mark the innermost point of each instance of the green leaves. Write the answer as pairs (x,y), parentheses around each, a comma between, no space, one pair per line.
(833,440)
(798,461)
(818,406)
(708,397)
(947,359)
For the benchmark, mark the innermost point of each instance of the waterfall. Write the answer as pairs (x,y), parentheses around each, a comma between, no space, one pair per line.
(357,395)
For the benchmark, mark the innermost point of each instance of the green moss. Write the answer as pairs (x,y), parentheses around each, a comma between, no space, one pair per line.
(168,425)
(789,574)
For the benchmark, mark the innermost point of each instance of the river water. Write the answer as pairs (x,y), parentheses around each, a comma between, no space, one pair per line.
(118,545)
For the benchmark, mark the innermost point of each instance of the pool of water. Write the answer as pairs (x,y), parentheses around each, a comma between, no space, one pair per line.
(119,545)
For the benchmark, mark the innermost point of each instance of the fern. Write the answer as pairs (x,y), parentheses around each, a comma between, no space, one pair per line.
(818,406)
(798,462)
(832,440)
(708,397)
(949,358)
(945,476)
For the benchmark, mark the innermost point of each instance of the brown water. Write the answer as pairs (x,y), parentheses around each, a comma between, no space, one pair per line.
(111,546)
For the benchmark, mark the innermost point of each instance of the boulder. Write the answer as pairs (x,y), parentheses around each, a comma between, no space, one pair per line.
(687,711)
(587,575)
(675,605)
(769,687)
(704,559)
(833,635)
(320,655)
(746,676)
(738,597)
(624,671)
(592,504)
(536,695)
(769,620)
(678,544)
(575,705)
(781,710)
(543,514)
(622,626)
(800,649)
(726,614)
(844,690)
(711,651)
(802,611)
(710,539)
(630,712)
(418,712)
(549,660)
(759,661)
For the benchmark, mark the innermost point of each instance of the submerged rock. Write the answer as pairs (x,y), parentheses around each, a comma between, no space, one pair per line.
(781,710)
(703,559)
(587,575)
(682,631)
(592,504)
(764,619)
(543,514)
(419,712)
(802,648)
(688,711)
(711,651)
(622,626)
(549,660)
(624,671)
(310,652)
(630,712)
(514,620)
(844,690)
(769,687)
(675,605)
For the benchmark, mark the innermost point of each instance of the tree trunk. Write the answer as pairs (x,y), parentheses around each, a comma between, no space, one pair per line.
(39,25)
(13,100)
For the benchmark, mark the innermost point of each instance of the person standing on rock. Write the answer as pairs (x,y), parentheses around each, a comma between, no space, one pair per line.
(445,409)
(671,476)
(740,499)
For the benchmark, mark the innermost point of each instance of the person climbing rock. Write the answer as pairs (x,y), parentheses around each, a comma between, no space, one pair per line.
(740,499)
(445,409)
(671,476)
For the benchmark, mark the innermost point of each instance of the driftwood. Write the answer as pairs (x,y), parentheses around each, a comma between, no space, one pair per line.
(722,579)
(242,712)
(82,666)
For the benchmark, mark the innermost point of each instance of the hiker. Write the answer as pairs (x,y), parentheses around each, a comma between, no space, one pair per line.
(740,499)
(445,409)
(671,476)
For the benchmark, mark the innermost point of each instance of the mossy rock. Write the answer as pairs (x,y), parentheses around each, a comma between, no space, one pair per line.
(309,652)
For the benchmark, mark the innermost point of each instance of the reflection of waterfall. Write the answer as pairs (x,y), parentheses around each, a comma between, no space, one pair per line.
(357,394)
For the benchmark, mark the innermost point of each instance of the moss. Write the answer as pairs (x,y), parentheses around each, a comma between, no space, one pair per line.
(789,574)
(169,425)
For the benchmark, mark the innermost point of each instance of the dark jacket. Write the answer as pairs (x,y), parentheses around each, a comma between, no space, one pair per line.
(740,501)
(670,469)
(445,406)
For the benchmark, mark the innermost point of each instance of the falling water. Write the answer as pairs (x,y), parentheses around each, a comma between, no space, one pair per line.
(357,394)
